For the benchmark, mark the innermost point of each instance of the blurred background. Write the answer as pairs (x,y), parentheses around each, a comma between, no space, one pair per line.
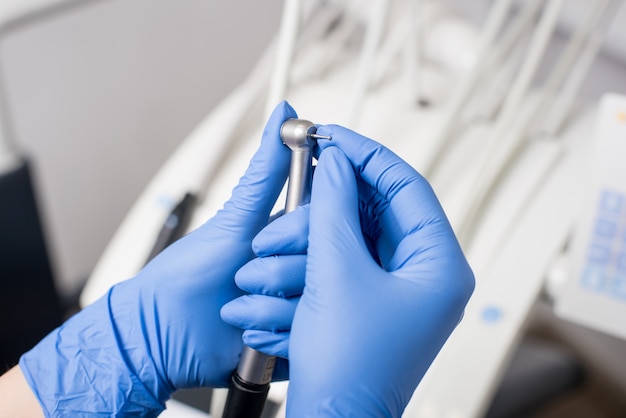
(100,95)
(96,95)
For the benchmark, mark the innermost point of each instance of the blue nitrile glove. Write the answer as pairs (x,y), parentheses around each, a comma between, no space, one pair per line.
(364,335)
(274,281)
(128,352)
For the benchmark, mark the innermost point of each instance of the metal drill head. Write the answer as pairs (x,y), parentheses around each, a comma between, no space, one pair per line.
(298,133)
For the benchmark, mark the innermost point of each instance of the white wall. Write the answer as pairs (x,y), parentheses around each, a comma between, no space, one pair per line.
(101,95)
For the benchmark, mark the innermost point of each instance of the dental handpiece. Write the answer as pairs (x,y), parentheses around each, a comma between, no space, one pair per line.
(250,383)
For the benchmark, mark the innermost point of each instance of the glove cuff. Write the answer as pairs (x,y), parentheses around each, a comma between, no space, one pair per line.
(80,369)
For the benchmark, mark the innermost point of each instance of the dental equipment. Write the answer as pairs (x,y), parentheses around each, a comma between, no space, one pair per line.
(498,150)
(175,225)
(578,56)
(501,146)
(412,52)
(251,382)
(495,21)
(286,45)
(367,59)
(504,60)
(403,39)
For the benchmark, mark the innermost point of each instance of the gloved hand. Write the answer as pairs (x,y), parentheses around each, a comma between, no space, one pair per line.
(372,317)
(161,331)
(274,282)
(386,283)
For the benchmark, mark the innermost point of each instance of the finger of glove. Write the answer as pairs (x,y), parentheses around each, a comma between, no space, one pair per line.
(378,223)
(335,238)
(253,198)
(270,343)
(411,198)
(281,276)
(422,242)
(258,312)
(285,235)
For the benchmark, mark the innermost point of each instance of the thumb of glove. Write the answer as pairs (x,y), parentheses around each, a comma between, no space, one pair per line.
(247,211)
(329,321)
(334,219)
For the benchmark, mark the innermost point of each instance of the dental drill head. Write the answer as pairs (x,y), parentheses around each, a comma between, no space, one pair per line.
(296,133)
(300,136)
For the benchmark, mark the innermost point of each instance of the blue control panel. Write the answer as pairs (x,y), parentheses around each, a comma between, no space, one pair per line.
(594,294)
(605,264)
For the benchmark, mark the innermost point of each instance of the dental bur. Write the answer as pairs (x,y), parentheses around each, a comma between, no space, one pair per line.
(250,383)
